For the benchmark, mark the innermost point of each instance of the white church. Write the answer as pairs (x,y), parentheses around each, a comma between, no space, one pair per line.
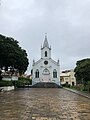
(46,70)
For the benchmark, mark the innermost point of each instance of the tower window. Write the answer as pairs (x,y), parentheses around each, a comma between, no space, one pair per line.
(45,53)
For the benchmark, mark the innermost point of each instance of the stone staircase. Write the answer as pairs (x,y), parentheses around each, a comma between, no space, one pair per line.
(46,85)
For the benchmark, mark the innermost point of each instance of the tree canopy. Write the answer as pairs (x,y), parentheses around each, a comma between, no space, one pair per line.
(82,70)
(11,54)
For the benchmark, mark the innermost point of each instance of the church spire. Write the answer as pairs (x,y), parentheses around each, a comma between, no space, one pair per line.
(46,41)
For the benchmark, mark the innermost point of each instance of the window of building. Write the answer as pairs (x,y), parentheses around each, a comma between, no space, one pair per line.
(66,78)
(72,83)
(37,74)
(45,62)
(55,73)
(62,80)
(45,53)
(67,83)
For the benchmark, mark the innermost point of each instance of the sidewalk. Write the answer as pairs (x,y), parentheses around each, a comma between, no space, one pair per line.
(87,95)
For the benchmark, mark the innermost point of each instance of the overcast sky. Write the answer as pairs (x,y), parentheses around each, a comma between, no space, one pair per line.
(66,22)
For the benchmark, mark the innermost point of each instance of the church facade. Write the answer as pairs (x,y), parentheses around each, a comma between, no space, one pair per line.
(46,69)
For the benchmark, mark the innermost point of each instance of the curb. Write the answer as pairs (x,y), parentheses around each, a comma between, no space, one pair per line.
(77,92)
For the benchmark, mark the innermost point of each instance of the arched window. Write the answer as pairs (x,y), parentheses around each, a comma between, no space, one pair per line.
(37,74)
(45,53)
(46,71)
(55,73)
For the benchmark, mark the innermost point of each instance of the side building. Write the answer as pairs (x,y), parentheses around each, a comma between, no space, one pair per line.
(67,77)
(46,70)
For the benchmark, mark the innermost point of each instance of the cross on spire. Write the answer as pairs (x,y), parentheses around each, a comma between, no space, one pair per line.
(45,35)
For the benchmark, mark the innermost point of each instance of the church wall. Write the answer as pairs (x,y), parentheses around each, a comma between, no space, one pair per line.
(51,66)
(35,80)
(57,67)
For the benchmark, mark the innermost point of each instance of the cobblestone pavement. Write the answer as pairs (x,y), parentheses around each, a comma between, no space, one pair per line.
(85,94)
(43,104)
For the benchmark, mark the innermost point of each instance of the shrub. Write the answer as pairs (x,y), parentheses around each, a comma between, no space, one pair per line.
(5,83)
(23,81)
(66,85)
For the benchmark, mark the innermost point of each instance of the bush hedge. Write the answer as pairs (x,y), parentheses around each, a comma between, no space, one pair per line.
(21,82)
(5,83)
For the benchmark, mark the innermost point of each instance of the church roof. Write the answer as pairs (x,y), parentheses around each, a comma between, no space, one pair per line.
(46,42)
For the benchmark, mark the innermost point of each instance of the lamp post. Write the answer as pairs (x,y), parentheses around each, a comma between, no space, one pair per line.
(0,74)
(14,77)
(12,72)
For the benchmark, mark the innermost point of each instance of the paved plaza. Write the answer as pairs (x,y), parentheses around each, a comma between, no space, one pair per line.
(43,104)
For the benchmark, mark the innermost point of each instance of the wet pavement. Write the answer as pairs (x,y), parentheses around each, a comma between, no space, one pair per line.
(85,94)
(43,104)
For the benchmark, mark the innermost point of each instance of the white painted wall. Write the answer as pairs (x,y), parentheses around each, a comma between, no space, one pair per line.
(9,88)
(13,78)
(48,52)
(50,66)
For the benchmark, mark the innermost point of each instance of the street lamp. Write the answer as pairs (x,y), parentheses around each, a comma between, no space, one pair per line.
(12,72)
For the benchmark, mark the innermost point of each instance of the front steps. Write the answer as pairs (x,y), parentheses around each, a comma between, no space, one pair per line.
(46,85)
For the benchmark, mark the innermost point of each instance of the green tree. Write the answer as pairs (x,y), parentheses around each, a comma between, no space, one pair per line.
(82,71)
(11,54)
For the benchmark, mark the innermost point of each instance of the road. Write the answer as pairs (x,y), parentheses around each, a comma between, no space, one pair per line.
(43,104)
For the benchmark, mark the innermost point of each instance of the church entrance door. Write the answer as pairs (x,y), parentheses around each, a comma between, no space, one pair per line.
(46,76)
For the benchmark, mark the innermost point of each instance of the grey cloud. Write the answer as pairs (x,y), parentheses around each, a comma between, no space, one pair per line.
(67,23)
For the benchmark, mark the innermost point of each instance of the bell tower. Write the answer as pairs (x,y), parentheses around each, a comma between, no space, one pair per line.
(45,50)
